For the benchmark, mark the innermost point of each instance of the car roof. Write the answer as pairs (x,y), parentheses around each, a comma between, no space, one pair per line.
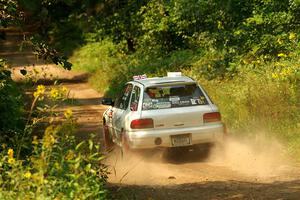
(164,80)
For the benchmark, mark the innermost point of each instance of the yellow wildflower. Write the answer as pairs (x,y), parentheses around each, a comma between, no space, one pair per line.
(11,161)
(48,139)
(68,114)
(70,155)
(27,174)
(286,73)
(57,166)
(39,91)
(282,55)
(35,140)
(41,88)
(292,36)
(10,153)
(35,120)
(220,25)
(54,93)
(59,196)
(38,177)
(64,90)
(275,76)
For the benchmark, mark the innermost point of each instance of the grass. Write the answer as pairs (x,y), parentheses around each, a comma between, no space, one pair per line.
(94,56)
(252,102)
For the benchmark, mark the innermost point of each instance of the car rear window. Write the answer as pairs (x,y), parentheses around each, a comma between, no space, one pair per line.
(173,96)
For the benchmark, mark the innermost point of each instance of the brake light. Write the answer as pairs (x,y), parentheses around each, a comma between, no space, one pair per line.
(212,117)
(142,123)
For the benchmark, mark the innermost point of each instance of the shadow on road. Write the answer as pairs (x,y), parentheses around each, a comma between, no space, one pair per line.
(181,155)
(90,101)
(218,190)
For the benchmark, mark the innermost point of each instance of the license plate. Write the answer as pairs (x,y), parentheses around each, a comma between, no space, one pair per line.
(181,140)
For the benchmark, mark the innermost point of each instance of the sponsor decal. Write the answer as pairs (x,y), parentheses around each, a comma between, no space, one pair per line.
(174,98)
(184,102)
(194,101)
(162,105)
(140,77)
(147,105)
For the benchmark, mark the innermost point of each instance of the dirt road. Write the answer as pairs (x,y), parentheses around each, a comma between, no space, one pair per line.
(245,169)
(240,171)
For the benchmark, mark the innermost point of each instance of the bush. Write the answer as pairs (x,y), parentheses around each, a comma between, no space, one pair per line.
(58,167)
(95,56)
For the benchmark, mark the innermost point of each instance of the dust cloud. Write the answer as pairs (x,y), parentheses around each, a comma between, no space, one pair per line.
(260,156)
(144,168)
(259,159)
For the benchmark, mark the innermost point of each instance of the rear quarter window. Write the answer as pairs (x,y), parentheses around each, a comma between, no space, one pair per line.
(123,100)
(173,96)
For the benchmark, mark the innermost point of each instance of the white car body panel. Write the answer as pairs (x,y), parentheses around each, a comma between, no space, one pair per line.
(168,122)
(205,134)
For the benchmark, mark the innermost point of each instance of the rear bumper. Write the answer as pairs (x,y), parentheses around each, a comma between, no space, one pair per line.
(146,139)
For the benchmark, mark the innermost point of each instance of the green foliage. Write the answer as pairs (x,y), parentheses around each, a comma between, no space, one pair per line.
(9,14)
(11,106)
(156,28)
(157,33)
(95,56)
(58,166)
(47,53)
(15,13)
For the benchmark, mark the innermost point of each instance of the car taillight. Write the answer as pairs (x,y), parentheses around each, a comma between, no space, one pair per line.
(142,123)
(212,117)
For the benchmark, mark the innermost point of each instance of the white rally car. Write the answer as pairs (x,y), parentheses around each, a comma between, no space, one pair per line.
(172,111)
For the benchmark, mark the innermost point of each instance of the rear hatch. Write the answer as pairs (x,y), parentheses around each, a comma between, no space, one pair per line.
(175,106)
(177,117)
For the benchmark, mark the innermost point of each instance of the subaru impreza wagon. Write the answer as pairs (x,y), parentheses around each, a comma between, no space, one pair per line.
(172,111)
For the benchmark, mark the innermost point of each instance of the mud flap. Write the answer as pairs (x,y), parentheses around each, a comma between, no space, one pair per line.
(107,140)
(125,141)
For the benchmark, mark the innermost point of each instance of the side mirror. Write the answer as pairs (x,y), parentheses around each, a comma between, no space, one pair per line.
(107,101)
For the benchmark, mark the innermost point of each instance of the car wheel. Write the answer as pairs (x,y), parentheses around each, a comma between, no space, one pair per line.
(107,139)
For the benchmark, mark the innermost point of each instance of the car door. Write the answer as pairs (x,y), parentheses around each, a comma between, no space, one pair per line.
(120,110)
